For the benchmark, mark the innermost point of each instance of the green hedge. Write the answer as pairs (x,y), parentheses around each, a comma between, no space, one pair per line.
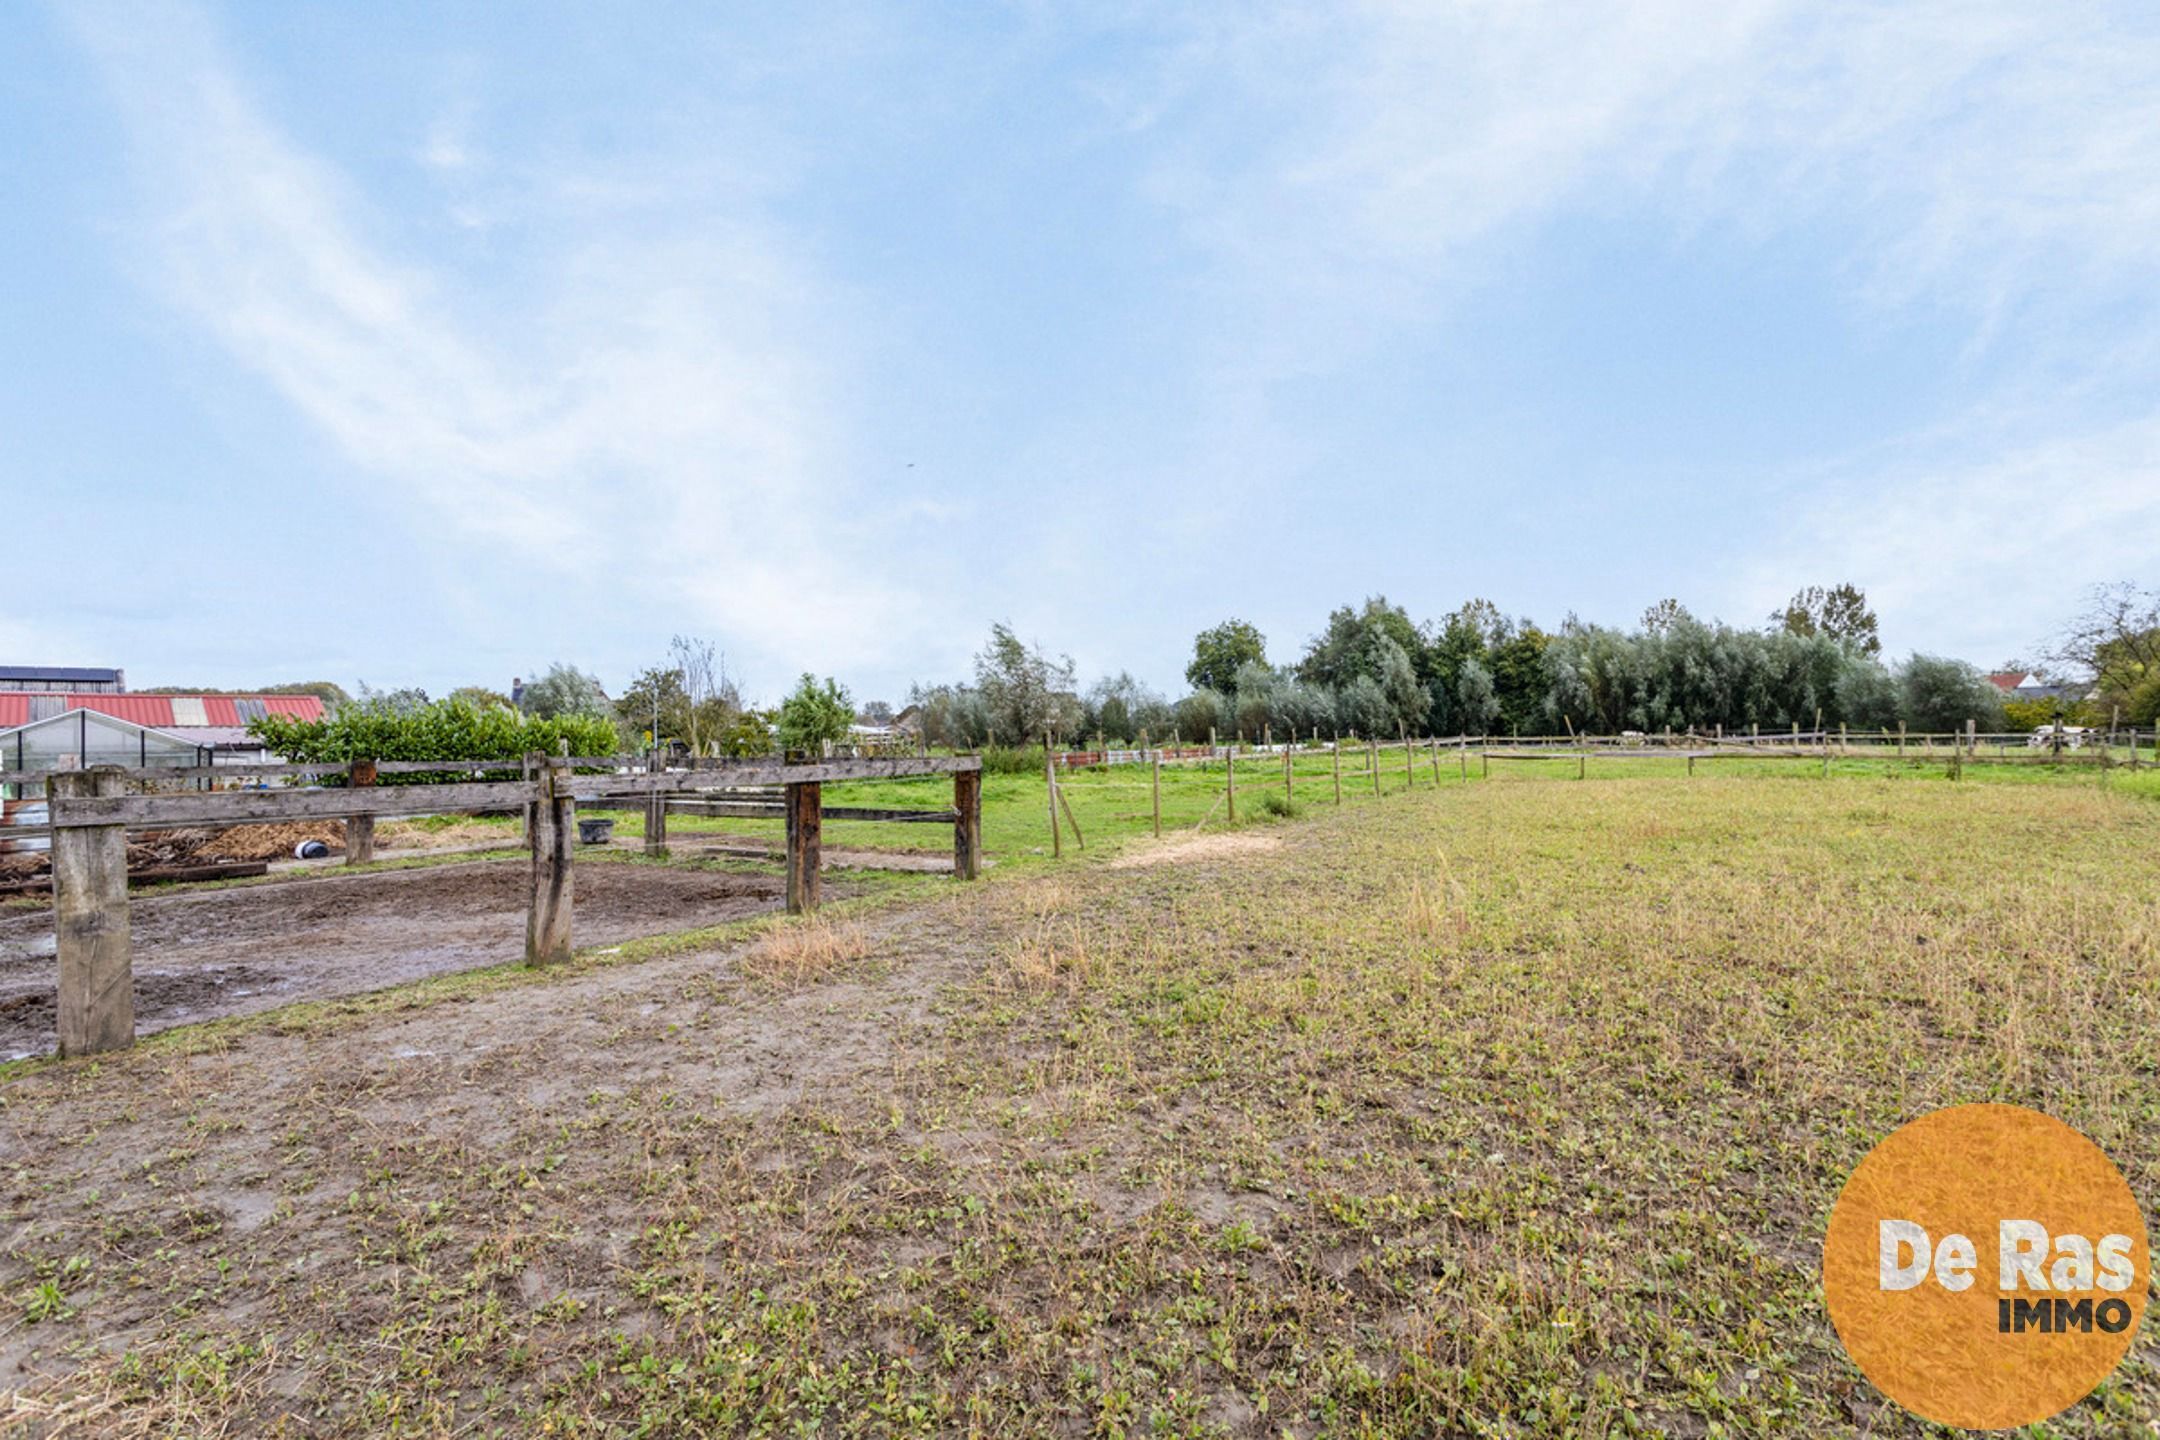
(442,730)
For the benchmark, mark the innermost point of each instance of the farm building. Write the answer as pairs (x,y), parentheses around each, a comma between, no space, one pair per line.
(59,730)
(78,679)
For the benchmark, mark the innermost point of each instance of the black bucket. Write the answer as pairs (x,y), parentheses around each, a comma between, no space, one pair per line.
(596,832)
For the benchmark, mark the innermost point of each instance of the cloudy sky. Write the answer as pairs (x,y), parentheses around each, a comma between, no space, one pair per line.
(425,346)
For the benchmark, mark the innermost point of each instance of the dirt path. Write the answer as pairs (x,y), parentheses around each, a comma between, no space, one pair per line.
(301,1118)
(236,951)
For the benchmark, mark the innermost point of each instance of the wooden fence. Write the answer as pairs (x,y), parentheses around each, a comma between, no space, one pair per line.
(92,810)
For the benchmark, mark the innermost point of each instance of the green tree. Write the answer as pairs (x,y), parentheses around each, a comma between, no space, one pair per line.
(480,697)
(656,695)
(566,690)
(1219,653)
(1477,706)
(1840,612)
(1938,694)
(1663,617)
(1026,691)
(815,713)
(1346,648)
(2115,639)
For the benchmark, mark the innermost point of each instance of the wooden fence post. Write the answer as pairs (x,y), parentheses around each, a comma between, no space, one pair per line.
(554,828)
(1409,761)
(360,829)
(1230,781)
(1155,783)
(90,921)
(1057,839)
(805,820)
(1070,818)
(1286,773)
(656,810)
(967,830)
(1462,757)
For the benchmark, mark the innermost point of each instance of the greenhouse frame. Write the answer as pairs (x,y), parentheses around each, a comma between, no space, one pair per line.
(76,739)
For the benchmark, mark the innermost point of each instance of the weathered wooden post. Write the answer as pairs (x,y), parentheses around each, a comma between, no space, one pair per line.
(360,829)
(1286,774)
(1230,781)
(90,919)
(805,820)
(656,809)
(967,830)
(1057,841)
(1156,785)
(554,828)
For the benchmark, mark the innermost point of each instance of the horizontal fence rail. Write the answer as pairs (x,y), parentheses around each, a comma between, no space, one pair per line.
(90,812)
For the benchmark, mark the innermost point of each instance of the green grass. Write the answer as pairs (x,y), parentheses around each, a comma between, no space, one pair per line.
(1114,804)
(1512,1108)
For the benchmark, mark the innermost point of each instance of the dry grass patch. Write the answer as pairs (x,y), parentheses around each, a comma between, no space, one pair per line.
(805,952)
(1508,1110)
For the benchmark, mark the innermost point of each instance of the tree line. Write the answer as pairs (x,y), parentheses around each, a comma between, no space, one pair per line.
(1374,671)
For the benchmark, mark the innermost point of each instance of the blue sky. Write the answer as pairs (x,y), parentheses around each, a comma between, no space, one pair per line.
(415,346)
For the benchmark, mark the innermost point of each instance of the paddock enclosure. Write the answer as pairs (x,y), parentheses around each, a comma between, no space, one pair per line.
(91,811)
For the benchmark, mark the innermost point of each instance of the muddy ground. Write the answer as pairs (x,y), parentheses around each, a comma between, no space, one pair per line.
(235,951)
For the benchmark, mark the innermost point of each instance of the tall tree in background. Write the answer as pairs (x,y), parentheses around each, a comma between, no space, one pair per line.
(566,690)
(710,697)
(1663,617)
(815,713)
(1346,649)
(2115,639)
(1220,652)
(1840,612)
(1026,691)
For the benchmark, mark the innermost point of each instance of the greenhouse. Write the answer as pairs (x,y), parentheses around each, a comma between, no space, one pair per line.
(78,738)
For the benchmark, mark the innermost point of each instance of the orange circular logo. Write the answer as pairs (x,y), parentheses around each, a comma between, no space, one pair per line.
(1986,1266)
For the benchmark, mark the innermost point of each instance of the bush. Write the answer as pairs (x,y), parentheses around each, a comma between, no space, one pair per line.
(440,730)
(1274,805)
(1013,760)
(815,714)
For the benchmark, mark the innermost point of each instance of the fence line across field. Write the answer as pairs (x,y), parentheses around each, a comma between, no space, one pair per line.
(91,811)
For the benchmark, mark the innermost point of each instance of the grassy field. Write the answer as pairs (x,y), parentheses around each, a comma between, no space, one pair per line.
(1507,1108)
(1115,803)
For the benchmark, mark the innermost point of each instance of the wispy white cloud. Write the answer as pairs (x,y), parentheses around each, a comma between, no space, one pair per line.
(1969,548)
(648,412)
(1996,165)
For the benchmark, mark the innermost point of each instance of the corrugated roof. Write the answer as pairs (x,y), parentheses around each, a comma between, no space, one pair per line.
(154,711)
(159,712)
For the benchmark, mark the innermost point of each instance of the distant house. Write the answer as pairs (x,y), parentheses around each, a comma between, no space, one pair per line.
(2024,685)
(212,726)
